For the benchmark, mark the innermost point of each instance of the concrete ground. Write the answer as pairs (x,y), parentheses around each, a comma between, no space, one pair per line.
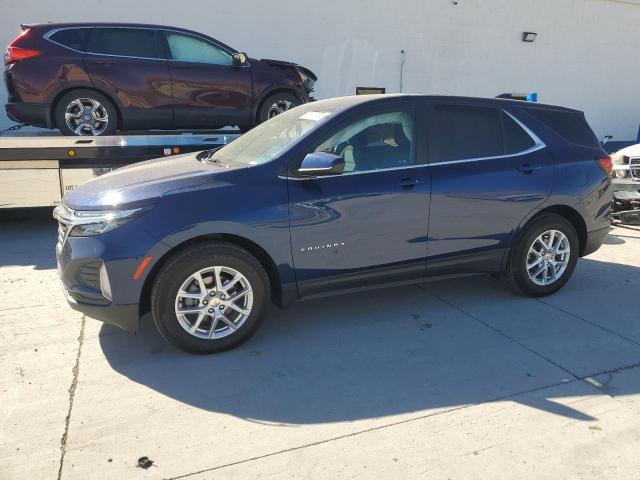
(452,379)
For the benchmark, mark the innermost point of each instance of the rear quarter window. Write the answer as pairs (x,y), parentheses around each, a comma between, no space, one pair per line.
(515,138)
(74,38)
(572,126)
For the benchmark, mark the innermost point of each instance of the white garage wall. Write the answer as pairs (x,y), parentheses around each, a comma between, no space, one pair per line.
(585,55)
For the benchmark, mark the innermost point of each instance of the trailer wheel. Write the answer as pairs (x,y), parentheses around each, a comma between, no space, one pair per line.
(86,112)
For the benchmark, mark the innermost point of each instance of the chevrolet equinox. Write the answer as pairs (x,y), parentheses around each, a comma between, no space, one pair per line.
(331,197)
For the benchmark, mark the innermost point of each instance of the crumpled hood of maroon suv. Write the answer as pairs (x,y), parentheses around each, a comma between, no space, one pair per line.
(282,63)
(143,183)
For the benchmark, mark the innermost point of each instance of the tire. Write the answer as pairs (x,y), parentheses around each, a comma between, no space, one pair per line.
(518,277)
(100,115)
(171,280)
(279,102)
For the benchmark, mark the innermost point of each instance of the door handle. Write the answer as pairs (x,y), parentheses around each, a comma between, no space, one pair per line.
(182,67)
(407,183)
(529,167)
(104,62)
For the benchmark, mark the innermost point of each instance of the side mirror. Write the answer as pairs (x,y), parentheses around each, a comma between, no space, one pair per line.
(239,58)
(319,163)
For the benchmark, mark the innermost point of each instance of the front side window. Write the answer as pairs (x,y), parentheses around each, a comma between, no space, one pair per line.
(374,143)
(125,42)
(190,49)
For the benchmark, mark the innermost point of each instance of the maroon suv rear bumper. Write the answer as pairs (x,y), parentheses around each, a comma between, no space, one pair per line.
(36,114)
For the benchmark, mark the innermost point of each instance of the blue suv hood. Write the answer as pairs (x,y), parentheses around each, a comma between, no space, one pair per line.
(143,183)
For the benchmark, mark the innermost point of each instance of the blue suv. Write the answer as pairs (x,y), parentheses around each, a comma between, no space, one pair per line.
(331,197)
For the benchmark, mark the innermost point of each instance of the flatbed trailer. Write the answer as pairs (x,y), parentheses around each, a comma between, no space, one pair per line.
(37,171)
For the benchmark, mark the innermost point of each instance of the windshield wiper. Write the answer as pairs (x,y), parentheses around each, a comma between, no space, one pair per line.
(207,156)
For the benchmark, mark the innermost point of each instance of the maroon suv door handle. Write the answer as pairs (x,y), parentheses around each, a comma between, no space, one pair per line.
(529,167)
(182,67)
(104,62)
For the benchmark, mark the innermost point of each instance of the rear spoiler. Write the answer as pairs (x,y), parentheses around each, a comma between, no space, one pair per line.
(526,97)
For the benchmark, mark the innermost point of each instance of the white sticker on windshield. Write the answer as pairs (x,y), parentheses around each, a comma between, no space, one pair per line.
(315,116)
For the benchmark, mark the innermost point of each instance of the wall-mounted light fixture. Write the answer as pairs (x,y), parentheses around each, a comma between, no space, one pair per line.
(529,37)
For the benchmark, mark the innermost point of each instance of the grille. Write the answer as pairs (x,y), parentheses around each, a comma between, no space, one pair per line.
(62,236)
(89,275)
(634,166)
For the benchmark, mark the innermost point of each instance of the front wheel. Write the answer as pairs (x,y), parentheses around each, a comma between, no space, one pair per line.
(544,256)
(276,104)
(210,298)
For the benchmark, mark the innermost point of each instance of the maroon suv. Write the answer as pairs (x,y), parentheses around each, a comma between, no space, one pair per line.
(94,79)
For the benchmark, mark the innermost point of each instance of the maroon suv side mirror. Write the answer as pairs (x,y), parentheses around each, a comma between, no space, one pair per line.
(239,58)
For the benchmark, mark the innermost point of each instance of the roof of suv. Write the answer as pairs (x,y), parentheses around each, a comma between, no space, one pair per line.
(99,24)
(359,99)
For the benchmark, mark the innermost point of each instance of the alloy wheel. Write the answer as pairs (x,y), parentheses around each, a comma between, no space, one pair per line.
(548,257)
(86,116)
(279,107)
(214,302)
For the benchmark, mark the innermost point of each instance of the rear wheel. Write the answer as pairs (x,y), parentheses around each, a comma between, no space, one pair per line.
(276,104)
(86,113)
(544,256)
(210,298)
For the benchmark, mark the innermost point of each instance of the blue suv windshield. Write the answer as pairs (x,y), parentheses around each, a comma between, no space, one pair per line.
(268,140)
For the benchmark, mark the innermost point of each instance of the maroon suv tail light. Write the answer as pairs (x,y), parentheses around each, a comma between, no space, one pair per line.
(15,53)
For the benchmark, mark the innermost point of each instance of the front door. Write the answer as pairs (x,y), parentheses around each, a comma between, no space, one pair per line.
(367,225)
(489,172)
(208,90)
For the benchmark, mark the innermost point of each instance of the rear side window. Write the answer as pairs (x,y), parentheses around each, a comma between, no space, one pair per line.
(74,38)
(467,132)
(515,138)
(126,42)
(570,125)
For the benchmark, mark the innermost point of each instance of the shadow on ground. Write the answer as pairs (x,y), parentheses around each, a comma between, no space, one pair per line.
(28,237)
(373,354)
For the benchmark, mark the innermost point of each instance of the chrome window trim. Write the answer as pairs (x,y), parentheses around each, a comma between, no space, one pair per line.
(415,165)
(538,144)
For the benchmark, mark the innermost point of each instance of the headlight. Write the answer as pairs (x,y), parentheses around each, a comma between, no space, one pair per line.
(621,173)
(307,81)
(83,223)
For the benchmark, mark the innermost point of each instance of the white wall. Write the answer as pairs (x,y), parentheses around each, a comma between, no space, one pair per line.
(585,55)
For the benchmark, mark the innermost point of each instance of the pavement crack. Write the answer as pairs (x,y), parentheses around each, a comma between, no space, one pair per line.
(72,393)
(511,396)
(499,332)
(593,324)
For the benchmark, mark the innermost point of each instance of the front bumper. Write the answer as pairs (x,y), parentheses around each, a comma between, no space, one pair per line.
(626,189)
(36,114)
(97,272)
(126,317)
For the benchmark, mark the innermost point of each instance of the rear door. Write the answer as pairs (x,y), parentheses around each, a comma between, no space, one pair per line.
(128,64)
(208,90)
(488,172)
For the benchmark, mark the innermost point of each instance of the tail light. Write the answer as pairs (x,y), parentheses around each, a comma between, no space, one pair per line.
(605,163)
(15,53)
